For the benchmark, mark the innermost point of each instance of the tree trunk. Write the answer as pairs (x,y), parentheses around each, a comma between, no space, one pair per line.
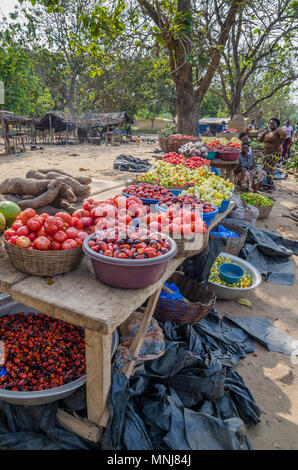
(186,108)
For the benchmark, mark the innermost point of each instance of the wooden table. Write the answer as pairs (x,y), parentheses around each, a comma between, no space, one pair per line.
(113,137)
(228,167)
(79,298)
(18,140)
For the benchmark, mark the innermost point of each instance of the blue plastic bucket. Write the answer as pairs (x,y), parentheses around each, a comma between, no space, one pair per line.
(231,273)
(216,171)
(211,155)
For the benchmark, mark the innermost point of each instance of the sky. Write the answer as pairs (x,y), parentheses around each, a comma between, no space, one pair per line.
(6,6)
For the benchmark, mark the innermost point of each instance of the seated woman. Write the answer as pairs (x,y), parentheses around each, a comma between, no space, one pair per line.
(247,175)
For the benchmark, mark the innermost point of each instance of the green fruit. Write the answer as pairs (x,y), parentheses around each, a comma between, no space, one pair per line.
(10,211)
(2,223)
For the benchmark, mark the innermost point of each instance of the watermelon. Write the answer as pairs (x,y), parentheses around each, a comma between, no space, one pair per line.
(2,223)
(10,211)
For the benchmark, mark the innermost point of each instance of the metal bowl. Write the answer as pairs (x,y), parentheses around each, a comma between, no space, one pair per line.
(41,397)
(230,293)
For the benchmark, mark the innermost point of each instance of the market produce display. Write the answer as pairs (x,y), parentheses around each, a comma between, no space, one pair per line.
(189,200)
(214,277)
(129,245)
(176,220)
(45,232)
(169,175)
(256,200)
(41,352)
(46,190)
(174,158)
(147,191)
(213,189)
(193,149)
(221,144)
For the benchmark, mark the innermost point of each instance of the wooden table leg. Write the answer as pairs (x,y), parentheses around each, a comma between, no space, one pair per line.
(98,367)
(23,143)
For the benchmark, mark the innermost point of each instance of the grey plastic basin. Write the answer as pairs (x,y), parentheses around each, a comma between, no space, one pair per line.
(230,293)
(41,397)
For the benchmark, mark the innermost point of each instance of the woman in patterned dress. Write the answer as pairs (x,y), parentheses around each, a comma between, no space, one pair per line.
(273,139)
(248,176)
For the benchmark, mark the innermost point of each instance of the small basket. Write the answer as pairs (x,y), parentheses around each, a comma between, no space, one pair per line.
(264,211)
(172,144)
(199,301)
(199,242)
(43,263)
(233,246)
(229,156)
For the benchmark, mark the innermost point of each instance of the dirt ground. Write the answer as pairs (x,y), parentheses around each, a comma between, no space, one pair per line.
(271,377)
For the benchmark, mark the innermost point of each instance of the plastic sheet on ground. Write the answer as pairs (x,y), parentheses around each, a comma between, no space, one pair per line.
(267,334)
(190,398)
(131,164)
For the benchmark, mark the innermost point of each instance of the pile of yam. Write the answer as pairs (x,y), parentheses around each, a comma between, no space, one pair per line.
(46,190)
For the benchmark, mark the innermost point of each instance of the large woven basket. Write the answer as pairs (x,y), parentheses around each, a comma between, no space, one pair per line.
(43,263)
(199,301)
(233,245)
(190,246)
(171,143)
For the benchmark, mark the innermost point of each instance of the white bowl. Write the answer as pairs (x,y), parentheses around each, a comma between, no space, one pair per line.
(229,293)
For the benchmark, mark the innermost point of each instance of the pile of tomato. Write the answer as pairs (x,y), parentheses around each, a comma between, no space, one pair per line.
(45,232)
(174,158)
(197,162)
(176,221)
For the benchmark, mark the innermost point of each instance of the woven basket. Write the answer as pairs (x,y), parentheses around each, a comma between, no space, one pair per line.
(199,301)
(43,263)
(171,143)
(233,245)
(198,242)
(264,211)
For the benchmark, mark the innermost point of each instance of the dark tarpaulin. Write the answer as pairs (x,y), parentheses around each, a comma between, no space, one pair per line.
(190,398)
(131,164)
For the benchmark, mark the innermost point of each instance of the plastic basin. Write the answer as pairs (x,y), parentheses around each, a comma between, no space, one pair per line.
(207,216)
(230,293)
(129,273)
(211,155)
(147,202)
(41,397)
(229,156)
(176,192)
(231,273)
(224,205)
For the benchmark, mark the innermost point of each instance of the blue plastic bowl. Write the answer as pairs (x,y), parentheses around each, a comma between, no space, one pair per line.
(231,273)
(216,171)
(176,192)
(207,217)
(211,155)
(224,205)
(147,202)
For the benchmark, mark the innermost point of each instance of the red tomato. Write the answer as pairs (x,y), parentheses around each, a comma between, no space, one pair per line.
(32,236)
(64,216)
(82,236)
(71,233)
(44,215)
(42,243)
(69,244)
(56,246)
(77,223)
(81,213)
(60,236)
(9,233)
(13,239)
(23,231)
(23,242)
(52,225)
(16,225)
(27,214)
(87,222)
(34,224)
(42,232)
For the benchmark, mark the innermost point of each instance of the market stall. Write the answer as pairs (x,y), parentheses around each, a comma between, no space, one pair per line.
(80,299)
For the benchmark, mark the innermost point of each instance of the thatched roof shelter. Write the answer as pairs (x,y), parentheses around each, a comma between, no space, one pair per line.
(13,119)
(62,121)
